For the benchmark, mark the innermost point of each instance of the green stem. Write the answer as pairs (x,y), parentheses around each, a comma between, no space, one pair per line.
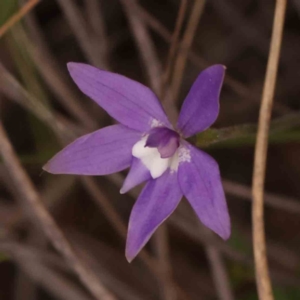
(282,130)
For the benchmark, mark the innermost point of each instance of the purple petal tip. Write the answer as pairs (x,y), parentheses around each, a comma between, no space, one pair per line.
(46,167)
(226,234)
(75,66)
(72,66)
(129,258)
(50,169)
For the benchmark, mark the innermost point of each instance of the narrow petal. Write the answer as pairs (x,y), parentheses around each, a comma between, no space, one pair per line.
(157,201)
(200,182)
(102,152)
(201,106)
(138,173)
(126,100)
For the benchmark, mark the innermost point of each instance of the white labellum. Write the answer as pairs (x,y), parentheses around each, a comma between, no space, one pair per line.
(151,159)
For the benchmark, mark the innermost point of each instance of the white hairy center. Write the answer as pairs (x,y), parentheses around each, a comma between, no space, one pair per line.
(151,159)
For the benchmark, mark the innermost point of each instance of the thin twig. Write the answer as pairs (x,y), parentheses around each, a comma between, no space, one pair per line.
(34,205)
(145,44)
(82,32)
(50,70)
(110,268)
(56,284)
(15,91)
(162,248)
(173,46)
(285,203)
(156,25)
(259,243)
(249,31)
(53,193)
(188,228)
(296,3)
(186,43)
(166,93)
(241,89)
(219,273)
(18,16)
(246,30)
(96,19)
(25,287)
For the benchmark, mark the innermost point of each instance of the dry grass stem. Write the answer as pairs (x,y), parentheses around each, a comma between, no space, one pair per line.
(156,25)
(18,16)
(162,251)
(259,243)
(82,32)
(186,43)
(219,273)
(173,46)
(238,87)
(166,93)
(96,19)
(285,203)
(144,43)
(34,206)
(52,74)
(52,281)
(13,90)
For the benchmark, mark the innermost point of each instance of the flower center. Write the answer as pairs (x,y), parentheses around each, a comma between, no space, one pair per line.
(165,140)
(158,151)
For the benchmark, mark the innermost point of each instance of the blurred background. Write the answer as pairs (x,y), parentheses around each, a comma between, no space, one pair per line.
(42,110)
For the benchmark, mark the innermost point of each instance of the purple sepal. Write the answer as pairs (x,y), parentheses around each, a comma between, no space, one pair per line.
(201,184)
(127,101)
(165,140)
(156,202)
(201,106)
(102,152)
(137,174)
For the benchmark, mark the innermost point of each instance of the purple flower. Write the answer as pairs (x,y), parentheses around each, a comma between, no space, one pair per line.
(146,142)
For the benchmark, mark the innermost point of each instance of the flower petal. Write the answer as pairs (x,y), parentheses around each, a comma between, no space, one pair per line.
(200,182)
(201,106)
(137,174)
(102,152)
(157,201)
(126,100)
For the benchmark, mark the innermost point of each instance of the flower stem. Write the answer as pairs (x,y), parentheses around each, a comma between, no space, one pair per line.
(282,130)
